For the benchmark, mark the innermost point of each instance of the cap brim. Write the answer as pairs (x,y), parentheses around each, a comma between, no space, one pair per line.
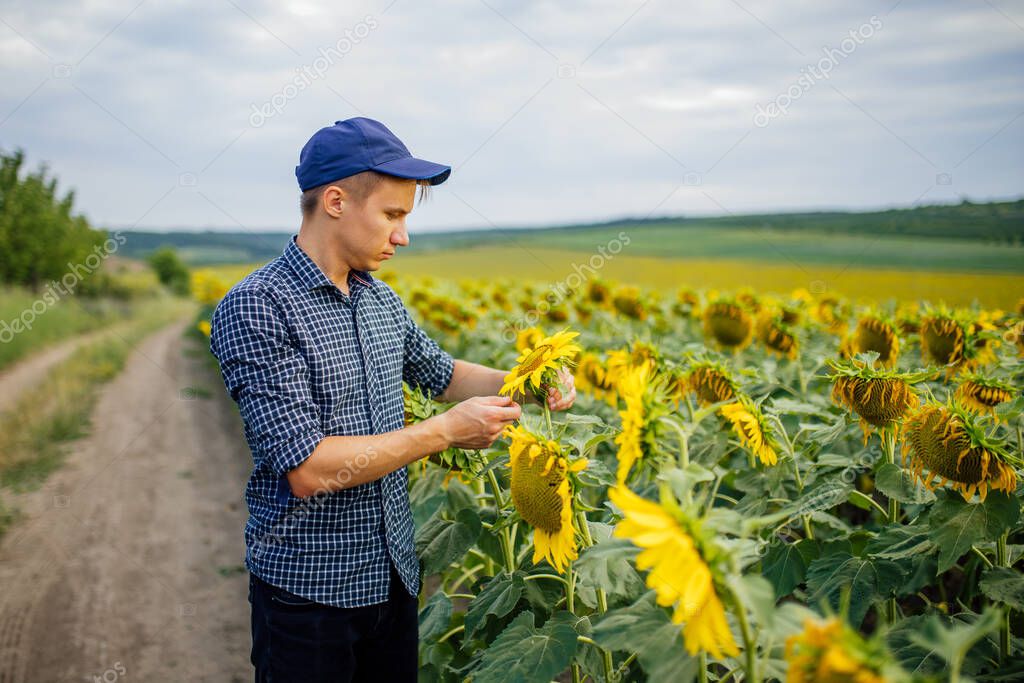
(417,169)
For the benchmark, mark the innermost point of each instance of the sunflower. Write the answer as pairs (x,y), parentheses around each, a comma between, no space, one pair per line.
(542,495)
(880,398)
(982,394)
(628,301)
(776,334)
(204,327)
(831,652)
(645,398)
(944,340)
(952,445)
(598,292)
(830,312)
(623,361)
(527,338)
(1017,334)
(874,333)
(207,287)
(538,364)
(729,324)
(591,377)
(687,303)
(680,572)
(751,427)
(711,382)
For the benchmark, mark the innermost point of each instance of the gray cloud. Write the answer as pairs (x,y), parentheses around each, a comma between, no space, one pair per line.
(551,112)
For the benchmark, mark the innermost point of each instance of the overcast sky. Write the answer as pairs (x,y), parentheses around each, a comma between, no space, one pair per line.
(190,114)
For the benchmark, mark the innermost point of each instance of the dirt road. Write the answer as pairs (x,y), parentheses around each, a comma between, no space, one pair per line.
(126,564)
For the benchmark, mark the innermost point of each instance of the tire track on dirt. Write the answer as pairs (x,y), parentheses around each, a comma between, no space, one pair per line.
(127,555)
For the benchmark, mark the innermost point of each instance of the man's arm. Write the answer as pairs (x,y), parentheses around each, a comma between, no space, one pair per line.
(340,462)
(473,379)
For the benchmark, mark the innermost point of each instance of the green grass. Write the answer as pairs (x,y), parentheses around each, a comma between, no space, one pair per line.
(67,318)
(36,432)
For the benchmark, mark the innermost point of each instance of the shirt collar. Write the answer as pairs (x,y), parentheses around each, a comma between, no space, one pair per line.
(309,273)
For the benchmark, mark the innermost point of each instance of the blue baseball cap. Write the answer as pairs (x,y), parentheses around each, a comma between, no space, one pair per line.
(361,144)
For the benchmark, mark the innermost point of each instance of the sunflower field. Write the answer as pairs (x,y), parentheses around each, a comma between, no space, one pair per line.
(748,488)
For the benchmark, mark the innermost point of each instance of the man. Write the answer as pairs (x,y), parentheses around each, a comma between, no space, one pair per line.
(314,350)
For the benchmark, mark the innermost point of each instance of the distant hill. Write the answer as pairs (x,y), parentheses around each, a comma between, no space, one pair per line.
(989,235)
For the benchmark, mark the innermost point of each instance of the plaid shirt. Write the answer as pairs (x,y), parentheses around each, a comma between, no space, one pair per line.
(304,361)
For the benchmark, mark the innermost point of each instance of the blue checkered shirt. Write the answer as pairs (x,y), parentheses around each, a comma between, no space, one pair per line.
(304,361)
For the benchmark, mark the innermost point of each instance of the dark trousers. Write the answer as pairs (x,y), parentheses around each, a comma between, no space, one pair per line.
(295,639)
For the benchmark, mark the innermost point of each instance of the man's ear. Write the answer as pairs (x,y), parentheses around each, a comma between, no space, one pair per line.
(333,201)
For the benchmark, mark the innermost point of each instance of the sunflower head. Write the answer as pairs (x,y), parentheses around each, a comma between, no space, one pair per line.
(829,651)
(982,394)
(945,340)
(207,287)
(711,382)
(598,292)
(538,364)
(751,428)
(880,398)
(646,398)
(542,494)
(728,323)
(952,445)
(777,335)
(875,333)
(682,569)
(629,302)
(687,303)
(625,360)
(592,377)
(832,313)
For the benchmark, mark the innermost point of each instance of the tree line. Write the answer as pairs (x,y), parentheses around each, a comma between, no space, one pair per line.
(42,238)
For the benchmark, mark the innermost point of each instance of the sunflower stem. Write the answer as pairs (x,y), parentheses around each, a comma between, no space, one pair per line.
(534,577)
(749,644)
(889,449)
(547,419)
(808,529)
(602,597)
(702,667)
(478,484)
(505,539)
(570,604)
(1003,560)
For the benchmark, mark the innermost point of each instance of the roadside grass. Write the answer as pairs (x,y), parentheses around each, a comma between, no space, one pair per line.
(36,432)
(66,318)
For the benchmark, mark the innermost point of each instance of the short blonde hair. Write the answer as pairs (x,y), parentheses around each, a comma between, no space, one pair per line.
(358,186)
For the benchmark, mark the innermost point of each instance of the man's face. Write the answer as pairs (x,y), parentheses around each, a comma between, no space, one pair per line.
(371,232)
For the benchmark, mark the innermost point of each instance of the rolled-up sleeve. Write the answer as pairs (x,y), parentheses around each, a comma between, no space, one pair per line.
(268,378)
(426,364)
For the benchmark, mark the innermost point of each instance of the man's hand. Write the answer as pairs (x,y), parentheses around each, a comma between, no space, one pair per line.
(558,401)
(478,422)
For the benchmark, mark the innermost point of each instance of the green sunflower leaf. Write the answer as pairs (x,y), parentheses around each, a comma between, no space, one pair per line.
(498,598)
(645,628)
(441,541)
(523,653)
(435,616)
(607,564)
(869,580)
(955,524)
(896,482)
(1001,584)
